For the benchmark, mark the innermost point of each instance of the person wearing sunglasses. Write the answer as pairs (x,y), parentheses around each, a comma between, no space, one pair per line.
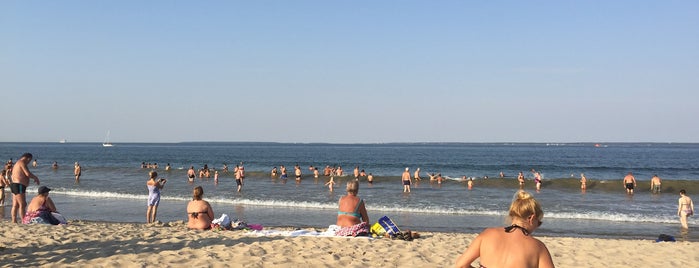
(513,245)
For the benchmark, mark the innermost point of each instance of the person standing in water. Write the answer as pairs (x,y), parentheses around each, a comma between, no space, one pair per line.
(655,182)
(520,179)
(583,182)
(685,208)
(330,184)
(416,176)
(537,179)
(406,180)
(191,174)
(240,176)
(77,171)
(629,183)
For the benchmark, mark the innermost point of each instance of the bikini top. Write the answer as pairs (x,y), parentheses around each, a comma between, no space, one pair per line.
(511,228)
(355,213)
(196,214)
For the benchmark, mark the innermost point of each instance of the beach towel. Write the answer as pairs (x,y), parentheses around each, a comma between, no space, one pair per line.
(360,229)
(330,232)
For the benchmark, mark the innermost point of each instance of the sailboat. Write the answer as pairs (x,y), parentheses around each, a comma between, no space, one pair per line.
(106,142)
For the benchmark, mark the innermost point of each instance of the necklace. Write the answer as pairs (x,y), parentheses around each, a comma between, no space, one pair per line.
(511,228)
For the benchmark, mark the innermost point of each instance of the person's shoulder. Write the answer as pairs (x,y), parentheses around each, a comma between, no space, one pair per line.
(491,231)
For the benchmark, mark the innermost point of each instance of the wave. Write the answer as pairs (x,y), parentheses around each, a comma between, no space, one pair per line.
(471,210)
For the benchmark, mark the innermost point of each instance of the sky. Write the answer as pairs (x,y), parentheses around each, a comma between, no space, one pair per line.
(349,71)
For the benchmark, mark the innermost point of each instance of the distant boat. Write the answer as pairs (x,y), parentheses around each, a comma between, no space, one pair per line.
(106,142)
(62,141)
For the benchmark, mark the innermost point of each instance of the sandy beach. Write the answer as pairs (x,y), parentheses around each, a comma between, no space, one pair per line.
(92,244)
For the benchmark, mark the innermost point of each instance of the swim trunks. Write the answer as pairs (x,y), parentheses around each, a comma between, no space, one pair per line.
(629,186)
(239,182)
(406,182)
(18,188)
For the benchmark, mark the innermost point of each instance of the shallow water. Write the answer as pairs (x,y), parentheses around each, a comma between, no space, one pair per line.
(112,187)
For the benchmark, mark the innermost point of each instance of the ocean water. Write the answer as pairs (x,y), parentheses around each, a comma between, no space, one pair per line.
(112,187)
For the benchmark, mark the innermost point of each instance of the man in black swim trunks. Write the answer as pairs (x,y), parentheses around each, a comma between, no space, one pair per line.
(20,181)
(629,183)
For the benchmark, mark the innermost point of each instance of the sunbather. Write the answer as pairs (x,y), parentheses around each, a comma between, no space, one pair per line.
(351,215)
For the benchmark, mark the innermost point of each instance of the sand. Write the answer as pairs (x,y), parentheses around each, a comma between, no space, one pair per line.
(99,244)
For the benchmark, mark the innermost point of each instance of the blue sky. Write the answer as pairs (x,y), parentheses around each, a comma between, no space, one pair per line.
(350,71)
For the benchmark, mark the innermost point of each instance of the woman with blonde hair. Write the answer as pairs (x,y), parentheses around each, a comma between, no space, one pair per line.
(511,246)
(351,214)
(199,212)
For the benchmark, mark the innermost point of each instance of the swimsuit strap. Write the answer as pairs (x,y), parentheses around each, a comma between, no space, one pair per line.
(510,228)
(356,209)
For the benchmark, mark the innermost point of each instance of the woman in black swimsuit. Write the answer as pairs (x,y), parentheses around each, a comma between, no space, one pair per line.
(511,246)
(199,212)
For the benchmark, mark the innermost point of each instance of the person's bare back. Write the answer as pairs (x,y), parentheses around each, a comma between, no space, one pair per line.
(21,173)
(521,250)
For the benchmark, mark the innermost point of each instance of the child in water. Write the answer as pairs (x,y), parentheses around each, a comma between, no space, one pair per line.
(330,183)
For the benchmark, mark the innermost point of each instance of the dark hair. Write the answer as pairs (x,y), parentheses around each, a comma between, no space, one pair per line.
(27,155)
(683,191)
(197,193)
(153,174)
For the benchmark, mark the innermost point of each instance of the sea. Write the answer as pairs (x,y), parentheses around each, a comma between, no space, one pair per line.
(112,187)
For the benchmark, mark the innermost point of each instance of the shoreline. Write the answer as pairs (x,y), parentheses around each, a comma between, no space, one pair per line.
(94,243)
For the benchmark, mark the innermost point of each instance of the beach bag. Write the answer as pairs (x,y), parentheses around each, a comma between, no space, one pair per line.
(665,238)
(384,226)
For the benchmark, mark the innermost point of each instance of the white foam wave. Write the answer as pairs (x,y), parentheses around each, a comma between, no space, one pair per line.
(476,211)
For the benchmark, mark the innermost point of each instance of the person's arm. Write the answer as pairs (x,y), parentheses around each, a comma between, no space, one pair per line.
(545,260)
(471,253)
(29,174)
(209,211)
(49,204)
(691,205)
(679,206)
(362,211)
